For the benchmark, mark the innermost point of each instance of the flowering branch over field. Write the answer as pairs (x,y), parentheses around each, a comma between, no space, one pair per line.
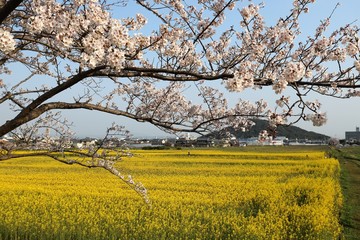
(100,155)
(74,54)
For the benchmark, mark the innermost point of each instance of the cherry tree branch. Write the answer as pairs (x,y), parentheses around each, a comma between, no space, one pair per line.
(8,8)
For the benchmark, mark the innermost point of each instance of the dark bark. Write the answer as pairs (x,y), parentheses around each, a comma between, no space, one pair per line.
(8,8)
(33,110)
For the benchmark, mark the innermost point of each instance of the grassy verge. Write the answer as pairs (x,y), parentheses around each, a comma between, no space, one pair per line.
(349,159)
(347,210)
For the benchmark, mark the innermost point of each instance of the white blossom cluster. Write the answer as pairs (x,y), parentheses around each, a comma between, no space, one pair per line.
(86,33)
(7,42)
(243,78)
(250,11)
(318,119)
(357,65)
(263,135)
(276,119)
(293,72)
(136,186)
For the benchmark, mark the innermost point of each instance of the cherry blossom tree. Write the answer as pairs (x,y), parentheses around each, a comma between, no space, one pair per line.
(76,55)
(68,43)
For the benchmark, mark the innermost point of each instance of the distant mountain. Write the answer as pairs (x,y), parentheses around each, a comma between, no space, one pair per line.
(291,132)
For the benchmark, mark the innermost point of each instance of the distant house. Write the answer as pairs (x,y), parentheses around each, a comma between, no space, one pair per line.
(204,142)
(279,141)
(353,137)
(6,141)
(184,142)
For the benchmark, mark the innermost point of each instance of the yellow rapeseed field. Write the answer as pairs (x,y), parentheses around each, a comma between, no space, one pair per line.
(211,194)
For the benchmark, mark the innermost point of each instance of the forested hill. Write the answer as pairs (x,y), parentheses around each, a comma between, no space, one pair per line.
(291,132)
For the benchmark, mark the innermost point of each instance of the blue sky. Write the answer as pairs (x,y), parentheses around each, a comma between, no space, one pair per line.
(343,114)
